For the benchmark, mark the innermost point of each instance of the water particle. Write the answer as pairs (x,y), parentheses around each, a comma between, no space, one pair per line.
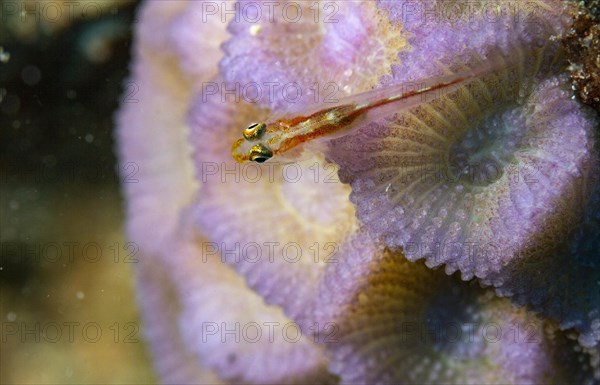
(4,56)
(31,75)
(11,104)
(49,160)
(255,29)
(89,138)
(80,295)
(11,316)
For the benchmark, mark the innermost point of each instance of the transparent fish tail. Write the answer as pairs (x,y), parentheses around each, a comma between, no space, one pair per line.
(509,73)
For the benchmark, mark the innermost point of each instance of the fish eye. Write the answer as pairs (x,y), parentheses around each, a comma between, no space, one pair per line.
(260,153)
(255,131)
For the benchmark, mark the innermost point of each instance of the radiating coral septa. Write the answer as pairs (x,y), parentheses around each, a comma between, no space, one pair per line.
(274,223)
(397,321)
(418,180)
(156,187)
(199,55)
(331,50)
(181,292)
(160,308)
(562,282)
(521,119)
(484,177)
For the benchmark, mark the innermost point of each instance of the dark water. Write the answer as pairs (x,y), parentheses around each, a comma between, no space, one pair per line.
(67,305)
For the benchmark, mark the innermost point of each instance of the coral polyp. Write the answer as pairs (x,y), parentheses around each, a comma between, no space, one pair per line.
(364,250)
(472,195)
(399,321)
(488,176)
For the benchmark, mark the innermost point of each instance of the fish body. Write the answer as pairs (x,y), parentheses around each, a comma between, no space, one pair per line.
(280,136)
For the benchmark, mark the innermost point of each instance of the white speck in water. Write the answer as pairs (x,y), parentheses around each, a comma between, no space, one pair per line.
(16,124)
(255,29)
(11,316)
(89,138)
(14,205)
(71,94)
(80,295)
(4,56)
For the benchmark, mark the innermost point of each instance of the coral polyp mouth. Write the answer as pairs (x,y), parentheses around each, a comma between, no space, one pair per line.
(484,154)
(491,193)
(469,193)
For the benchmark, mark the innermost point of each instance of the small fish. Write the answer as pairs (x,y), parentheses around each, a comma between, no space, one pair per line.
(280,137)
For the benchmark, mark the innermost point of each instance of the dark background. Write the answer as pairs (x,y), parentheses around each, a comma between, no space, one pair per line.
(64,275)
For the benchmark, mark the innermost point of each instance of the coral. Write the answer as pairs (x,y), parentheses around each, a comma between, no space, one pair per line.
(583,48)
(244,246)
(486,178)
(333,50)
(181,283)
(395,321)
(563,283)
(277,236)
